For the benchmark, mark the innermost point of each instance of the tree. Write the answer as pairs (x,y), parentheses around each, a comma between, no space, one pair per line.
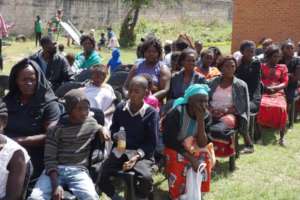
(127,34)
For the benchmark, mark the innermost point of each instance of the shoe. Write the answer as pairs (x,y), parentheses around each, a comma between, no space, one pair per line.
(281,143)
(247,150)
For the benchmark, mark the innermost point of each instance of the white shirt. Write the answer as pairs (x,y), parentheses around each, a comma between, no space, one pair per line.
(101,97)
(6,153)
(222,98)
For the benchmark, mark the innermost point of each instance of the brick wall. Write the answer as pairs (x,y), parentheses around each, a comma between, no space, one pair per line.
(254,19)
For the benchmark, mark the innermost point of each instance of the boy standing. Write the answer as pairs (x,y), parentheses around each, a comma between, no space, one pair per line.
(140,122)
(67,152)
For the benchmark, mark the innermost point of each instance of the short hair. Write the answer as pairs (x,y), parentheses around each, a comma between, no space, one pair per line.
(206,52)
(223,60)
(216,50)
(246,44)
(271,50)
(185,53)
(287,43)
(100,68)
(181,44)
(45,40)
(61,47)
(87,37)
(168,48)
(70,58)
(73,97)
(141,80)
(152,41)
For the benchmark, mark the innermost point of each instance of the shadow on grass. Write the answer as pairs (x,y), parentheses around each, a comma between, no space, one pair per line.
(268,136)
(221,169)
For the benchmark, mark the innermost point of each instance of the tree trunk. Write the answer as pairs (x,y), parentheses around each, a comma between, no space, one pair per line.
(127,34)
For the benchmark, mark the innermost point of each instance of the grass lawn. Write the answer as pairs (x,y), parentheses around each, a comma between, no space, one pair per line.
(271,173)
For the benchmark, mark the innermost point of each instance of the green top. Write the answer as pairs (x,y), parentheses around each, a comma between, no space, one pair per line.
(38,28)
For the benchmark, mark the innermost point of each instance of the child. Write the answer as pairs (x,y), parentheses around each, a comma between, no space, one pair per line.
(67,150)
(102,41)
(140,122)
(100,94)
(70,58)
(61,49)
(14,160)
(115,62)
(149,98)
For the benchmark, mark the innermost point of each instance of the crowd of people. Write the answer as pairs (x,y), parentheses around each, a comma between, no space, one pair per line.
(180,105)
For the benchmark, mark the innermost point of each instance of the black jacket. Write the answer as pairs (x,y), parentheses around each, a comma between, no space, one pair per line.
(58,70)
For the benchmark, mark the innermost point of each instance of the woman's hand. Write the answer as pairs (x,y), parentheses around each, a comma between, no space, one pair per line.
(104,134)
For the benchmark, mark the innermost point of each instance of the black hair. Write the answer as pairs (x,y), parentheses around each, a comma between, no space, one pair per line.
(152,41)
(87,37)
(61,47)
(216,50)
(184,54)
(206,52)
(287,43)
(141,80)
(73,97)
(167,48)
(223,60)
(271,50)
(45,40)
(181,44)
(246,44)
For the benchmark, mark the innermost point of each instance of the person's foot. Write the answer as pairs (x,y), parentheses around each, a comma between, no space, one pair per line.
(247,149)
(281,142)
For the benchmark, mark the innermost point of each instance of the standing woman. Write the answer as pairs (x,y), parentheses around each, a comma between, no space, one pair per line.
(187,76)
(152,66)
(273,107)
(32,110)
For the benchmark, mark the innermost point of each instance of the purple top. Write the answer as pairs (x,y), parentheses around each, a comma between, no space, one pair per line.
(154,71)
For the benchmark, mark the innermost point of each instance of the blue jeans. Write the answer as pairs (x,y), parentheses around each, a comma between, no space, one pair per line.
(75,179)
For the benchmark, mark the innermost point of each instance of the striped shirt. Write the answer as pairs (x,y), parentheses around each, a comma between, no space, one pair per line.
(70,144)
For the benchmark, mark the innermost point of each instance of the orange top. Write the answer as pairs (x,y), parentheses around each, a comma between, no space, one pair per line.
(213,72)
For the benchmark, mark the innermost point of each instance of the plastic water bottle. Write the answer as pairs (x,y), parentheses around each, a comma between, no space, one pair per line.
(121,140)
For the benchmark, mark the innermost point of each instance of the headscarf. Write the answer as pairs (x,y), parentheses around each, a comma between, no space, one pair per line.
(73,97)
(43,93)
(115,61)
(191,91)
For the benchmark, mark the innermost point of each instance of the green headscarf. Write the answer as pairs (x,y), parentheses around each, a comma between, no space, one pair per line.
(191,91)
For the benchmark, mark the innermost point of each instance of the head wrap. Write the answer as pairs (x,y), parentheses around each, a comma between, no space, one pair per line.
(73,97)
(191,91)
(115,61)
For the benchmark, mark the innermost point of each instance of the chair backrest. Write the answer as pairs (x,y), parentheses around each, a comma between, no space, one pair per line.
(84,75)
(66,87)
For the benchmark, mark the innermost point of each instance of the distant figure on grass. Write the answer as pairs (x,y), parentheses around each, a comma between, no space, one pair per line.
(112,39)
(38,29)
(115,62)
(61,50)
(102,41)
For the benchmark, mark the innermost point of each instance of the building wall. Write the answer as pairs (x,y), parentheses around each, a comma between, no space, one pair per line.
(255,19)
(86,14)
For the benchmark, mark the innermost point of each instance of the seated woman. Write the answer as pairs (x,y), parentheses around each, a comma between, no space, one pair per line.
(205,66)
(115,62)
(273,107)
(32,110)
(183,135)
(14,160)
(89,57)
(229,106)
(187,76)
(151,65)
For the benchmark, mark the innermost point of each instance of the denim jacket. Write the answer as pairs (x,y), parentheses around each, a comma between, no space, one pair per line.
(240,96)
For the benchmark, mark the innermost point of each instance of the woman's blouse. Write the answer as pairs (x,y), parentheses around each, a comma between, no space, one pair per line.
(222,98)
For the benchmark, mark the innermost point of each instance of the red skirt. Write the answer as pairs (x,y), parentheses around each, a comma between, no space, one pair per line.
(273,111)
(176,170)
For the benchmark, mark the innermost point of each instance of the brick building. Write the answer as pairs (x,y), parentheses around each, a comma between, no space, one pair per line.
(254,19)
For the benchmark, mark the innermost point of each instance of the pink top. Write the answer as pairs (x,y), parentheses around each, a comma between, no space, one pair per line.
(152,101)
(222,98)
